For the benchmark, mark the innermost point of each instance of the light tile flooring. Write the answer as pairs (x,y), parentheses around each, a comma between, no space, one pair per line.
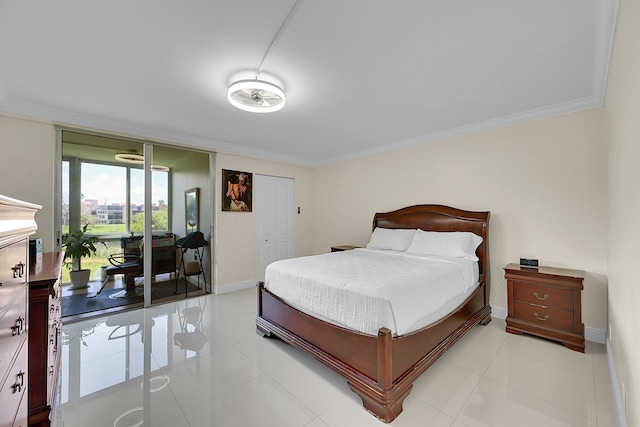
(199,362)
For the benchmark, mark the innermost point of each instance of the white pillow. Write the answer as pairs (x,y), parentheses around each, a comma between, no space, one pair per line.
(395,239)
(456,244)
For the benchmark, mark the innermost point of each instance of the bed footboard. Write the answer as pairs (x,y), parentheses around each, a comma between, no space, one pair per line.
(379,369)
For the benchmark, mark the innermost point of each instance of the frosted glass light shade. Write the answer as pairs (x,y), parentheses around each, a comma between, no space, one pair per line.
(256,96)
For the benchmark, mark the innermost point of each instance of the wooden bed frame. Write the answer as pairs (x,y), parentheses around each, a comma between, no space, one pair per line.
(381,369)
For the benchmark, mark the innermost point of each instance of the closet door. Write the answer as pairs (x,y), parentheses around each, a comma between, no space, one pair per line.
(274,207)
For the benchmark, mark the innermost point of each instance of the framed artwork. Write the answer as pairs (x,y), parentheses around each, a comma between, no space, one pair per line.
(192,209)
(236,191)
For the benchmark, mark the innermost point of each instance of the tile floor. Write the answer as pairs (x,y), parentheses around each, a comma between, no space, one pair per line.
(199,362)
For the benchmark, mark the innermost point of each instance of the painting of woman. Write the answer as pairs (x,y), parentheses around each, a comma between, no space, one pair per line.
(236,190)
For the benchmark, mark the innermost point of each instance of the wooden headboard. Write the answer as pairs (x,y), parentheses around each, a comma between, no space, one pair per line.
(442,218)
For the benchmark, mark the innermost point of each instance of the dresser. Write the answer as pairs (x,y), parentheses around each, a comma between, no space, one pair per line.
(546,302)
(16,224)
(45,325)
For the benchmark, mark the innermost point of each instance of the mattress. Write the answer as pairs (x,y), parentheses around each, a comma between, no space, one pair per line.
(366,289)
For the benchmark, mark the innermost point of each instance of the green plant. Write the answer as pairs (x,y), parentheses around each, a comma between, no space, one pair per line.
(77,245)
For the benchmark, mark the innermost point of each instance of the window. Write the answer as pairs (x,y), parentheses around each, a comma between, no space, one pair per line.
(111,198)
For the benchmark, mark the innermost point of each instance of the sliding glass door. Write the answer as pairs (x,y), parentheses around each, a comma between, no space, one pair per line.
(112,185)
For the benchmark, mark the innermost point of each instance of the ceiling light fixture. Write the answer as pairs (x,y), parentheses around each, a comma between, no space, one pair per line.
(138,159)
(258,95)
(133,158)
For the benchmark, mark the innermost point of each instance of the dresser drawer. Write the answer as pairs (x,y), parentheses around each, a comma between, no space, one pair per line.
(545,317)
(543,295)
(13,272)
(22,417)
(12,330)
(12,391)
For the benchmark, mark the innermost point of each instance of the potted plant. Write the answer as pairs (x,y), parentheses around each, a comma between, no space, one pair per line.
(77,245)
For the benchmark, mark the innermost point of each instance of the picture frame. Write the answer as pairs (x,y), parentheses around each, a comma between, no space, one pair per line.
(237,187)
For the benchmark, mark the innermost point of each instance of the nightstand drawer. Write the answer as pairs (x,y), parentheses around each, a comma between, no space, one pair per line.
(543,295)
(542,316)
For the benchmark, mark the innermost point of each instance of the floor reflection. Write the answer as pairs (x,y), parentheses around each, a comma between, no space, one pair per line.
(115,362)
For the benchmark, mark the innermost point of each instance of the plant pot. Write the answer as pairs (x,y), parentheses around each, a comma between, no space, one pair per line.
(79,278)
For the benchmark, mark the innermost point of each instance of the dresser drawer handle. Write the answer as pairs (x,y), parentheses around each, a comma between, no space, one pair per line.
(18,326)
(546,316)
(535,294)
(17,386)
(18,270)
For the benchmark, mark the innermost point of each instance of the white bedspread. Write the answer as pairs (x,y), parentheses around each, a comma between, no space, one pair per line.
(367,289)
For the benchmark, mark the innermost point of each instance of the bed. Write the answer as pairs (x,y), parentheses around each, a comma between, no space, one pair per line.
(381,367)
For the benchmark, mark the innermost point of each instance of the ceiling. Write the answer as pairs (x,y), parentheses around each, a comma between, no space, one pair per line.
(361,76)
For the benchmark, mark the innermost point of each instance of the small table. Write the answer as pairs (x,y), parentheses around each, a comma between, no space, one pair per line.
(341,248)
(546,302)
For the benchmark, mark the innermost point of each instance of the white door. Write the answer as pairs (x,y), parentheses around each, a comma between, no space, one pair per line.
(274,207)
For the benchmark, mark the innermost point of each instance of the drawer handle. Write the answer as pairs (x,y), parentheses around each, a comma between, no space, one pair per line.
(17,386)
(18,327)
(535,294)
(18,270)
(546,316)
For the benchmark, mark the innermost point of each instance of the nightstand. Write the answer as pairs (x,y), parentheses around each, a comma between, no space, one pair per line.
(343,248)
(546,302)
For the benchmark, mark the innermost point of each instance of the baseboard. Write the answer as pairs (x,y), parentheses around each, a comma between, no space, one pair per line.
(595,335)
(232,287)
(590,333)
(621,417)
(499,312)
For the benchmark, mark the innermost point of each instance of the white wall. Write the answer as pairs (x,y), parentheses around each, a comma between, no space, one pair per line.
(544,183)
(27,152)
(622,115)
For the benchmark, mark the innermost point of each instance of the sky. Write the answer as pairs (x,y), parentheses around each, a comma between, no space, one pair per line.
(107,184)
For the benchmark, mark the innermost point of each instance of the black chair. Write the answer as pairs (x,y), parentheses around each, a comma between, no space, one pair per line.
(129,263)
(193,241)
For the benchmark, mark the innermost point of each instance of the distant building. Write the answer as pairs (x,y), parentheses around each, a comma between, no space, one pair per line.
(110,214)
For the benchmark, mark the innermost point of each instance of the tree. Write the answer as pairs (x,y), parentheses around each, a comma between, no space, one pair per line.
(159,221)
